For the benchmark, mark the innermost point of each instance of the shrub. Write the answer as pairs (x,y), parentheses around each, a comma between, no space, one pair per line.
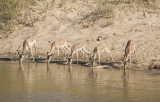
(9,11)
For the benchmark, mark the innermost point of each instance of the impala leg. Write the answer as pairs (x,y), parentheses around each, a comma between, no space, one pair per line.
(64,53)
(77,56)
(82,55)
(111,57)
(32,54)
(93,62)
(107,56)
(86,51)
(130,62)
(125,63)
(70,61)
(58,54)
(35,48)
(66,48)
(93,59)
(49,59)
(135,55)
(99,58)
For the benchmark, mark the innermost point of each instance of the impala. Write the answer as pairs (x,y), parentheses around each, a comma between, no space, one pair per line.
(97,51)
(27,44)
(79,47)
(130,48)
(59,44)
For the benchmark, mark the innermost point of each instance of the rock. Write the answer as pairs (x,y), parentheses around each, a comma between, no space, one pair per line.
(99,38)
(154,66)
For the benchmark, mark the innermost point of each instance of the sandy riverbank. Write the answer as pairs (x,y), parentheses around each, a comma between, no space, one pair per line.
(75,22)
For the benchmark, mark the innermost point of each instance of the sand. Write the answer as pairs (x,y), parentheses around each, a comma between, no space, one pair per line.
(75,22)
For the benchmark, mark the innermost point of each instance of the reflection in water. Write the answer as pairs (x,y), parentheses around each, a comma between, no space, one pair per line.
(20,68)
(95,75)
(70,71)
(48,68)
(27,77)
(41,82)
(125,79)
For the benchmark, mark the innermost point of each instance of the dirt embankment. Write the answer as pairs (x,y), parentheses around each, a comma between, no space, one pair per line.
(84,21)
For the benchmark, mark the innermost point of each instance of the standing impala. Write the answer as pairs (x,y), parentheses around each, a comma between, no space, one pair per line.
(130,48)
(79,47)
(59,44)
(97,51)
(27,44)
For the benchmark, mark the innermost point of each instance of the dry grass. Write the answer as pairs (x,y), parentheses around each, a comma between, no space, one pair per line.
(105,9)
(9,11)
(101,11)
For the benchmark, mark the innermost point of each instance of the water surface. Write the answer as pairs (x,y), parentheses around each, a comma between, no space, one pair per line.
(32,82)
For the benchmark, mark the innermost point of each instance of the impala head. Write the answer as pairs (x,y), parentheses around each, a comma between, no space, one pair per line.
(21,56)
(70,59)
(49,57)
(124,64)
(91,59)
(124,60)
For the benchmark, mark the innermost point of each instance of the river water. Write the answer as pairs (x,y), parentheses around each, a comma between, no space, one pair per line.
(39,82)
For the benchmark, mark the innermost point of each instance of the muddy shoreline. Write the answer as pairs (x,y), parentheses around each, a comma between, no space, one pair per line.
(41,58)
(150,69)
